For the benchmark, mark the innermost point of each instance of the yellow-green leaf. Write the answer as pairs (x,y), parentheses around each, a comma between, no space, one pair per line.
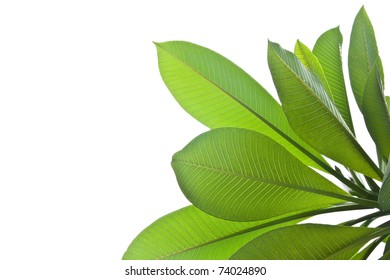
(311,62)
(218,93)
(189,233)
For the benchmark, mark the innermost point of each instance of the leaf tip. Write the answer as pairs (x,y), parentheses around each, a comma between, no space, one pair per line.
(362,12)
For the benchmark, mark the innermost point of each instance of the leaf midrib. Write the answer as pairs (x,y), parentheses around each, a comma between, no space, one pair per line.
(224,90)
(263,180)
(289,138)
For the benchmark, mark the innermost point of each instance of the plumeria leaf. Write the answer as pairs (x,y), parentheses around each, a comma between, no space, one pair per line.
(307,242)
(242,175)
(328,51)
(375,112)
(189,233)
(313,115)
(218,93)
(363,55)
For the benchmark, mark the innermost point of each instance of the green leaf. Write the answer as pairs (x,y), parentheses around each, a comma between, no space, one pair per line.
(375,112)
(312,114)
(386,251)
(386,256)
(367,251)
(189,233)
(363,254)
(362,55)
(384,192)
(218,93)
(310,61)
(307,242)
(241,175)
(328,51)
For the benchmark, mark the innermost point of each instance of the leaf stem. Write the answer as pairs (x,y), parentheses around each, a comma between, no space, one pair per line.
(333,209)
(371,183)
(364,218)
(367,202)
(356,179)
(385,224)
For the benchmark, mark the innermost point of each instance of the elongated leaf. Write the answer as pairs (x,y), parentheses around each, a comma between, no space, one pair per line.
(218,93)
(307,242)
(386,251)
(362,55)
(375,112)
(312,114)
(367,251)
(189,233)
(386,256)
(242,175)
(384,192)
(328,51)
(311,62)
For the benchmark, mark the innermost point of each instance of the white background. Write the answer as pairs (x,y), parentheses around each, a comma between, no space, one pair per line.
(87,127)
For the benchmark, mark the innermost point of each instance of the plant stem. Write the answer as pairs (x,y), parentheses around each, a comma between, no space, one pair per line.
(386,224)
(371,183)
(367,202)
(356,178)
(364,218)
(311,213)
(367,223)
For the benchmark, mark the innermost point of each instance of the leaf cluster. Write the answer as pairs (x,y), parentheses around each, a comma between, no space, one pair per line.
(252,178)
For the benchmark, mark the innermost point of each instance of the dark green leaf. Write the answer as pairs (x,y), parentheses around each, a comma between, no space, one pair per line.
(362,55)
(307,242)
(375,112)
(384,193)
(242,175)
(363,254)
(220,94)
(386,256)
(328,51)
(313,115)
(367,251)
(386,252)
